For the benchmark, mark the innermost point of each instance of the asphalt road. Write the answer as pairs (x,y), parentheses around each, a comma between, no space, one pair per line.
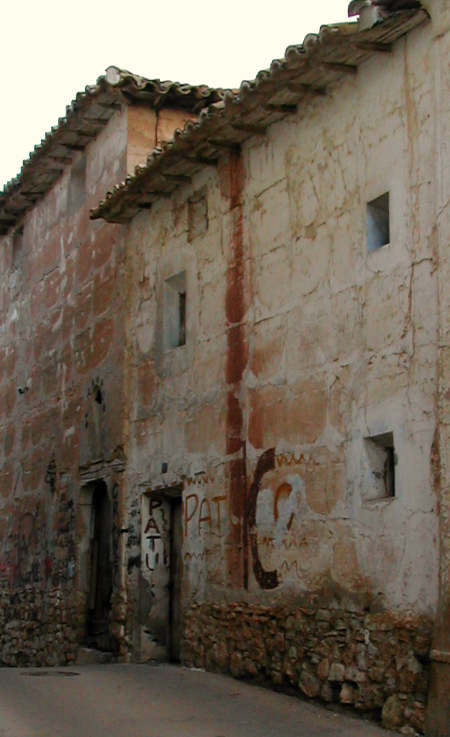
(157,701)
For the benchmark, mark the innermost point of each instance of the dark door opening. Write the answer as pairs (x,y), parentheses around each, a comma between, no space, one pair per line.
(175,579)
(100,571)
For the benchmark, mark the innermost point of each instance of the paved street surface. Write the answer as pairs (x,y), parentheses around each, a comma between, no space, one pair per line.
(157,701)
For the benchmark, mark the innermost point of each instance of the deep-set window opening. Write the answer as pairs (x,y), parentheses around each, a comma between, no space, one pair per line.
(382,459)
(181,318)
(175,310)
(377,222)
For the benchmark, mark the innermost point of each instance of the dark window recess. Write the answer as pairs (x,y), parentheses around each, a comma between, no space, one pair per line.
(182,318)
(377,220)
(77,184)
(175,307)
(382,459)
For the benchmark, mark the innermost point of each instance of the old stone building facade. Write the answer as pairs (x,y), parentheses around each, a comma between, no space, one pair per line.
(63,302)
(225,395)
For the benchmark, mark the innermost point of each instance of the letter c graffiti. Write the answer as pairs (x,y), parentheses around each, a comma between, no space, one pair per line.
(266,462)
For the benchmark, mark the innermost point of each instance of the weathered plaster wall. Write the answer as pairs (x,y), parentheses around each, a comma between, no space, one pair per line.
(61,413)
(60,344)
(439,696)
(142,122)
(356,330)
(300,344)
(148,128)
(177,397)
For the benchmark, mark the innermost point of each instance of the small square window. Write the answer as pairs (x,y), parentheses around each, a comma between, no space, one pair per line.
(382,461)
(175,310)
(377,216)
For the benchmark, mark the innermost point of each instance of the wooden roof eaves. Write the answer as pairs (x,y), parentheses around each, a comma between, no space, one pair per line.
(85,117)
(315,66)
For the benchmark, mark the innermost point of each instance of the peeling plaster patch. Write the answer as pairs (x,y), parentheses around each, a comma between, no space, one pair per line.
(145,326)
(277,507)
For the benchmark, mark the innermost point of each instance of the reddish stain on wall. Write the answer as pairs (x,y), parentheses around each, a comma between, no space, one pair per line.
(236,361)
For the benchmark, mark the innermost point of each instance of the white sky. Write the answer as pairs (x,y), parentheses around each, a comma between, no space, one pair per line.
(50,50)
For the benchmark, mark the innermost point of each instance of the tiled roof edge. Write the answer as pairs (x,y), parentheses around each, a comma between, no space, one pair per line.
(306,70)
(88,112)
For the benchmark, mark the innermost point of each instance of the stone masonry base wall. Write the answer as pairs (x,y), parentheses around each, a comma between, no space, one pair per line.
(368,661)
(37,629)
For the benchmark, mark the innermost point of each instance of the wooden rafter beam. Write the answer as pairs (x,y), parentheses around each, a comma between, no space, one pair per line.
(307,89)
(252,128)
(338,67)
(203,160)
(177,178)
(226,145)
(273,108)
(384,48)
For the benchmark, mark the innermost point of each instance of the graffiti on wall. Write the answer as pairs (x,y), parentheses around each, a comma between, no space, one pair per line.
(205,526)
(266,579)
(274,506)
(20,564)
(39,547)
(294,534)
(201,513)
(298,532)
(156,535)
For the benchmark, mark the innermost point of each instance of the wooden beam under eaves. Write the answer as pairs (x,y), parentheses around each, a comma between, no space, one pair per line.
(283,109)
(109,105)
(226,145)
(202,160)
(95,121)
(119,219)
(306,89)
(338,67)
(178,178)
(384,48)
(90,132)
(53,165)
(253,128)
(158,193)
(74,146)
(63,158)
